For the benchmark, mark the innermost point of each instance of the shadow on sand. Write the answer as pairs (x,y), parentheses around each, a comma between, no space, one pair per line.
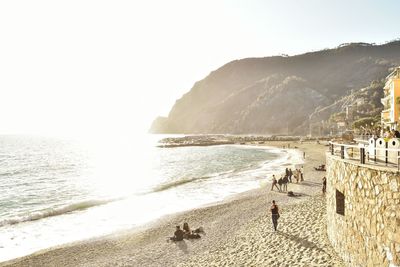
(182,246)
(312,184)
(295,194)
(302,241)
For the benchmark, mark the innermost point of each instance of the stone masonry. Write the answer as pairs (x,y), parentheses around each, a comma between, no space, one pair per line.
(368,234)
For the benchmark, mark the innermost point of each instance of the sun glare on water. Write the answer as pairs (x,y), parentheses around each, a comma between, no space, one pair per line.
(119,165)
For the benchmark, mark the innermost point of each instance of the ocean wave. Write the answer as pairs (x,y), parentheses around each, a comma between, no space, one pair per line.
(284,159)
(55,211)
(258,170)
(16,172)
(287,159)
(183,181)
(167,186)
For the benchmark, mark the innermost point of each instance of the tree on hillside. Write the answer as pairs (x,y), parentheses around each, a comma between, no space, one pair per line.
(369,122)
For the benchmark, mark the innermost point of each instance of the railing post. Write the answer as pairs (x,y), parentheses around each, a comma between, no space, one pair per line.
(386,153)
(342,152)
(362,155)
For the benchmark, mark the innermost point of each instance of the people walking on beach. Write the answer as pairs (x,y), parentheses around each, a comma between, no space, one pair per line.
(324,185)
(280,182)
(284,183)
(275,214)
(290,175)
(274,183)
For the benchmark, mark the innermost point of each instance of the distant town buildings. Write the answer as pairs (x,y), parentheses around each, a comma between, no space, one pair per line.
(355,110)
(351,112)
(360,101)
(341,123)
(391,100)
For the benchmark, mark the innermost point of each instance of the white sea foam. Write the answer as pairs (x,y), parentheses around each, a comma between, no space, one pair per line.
(82,205)
(128,187)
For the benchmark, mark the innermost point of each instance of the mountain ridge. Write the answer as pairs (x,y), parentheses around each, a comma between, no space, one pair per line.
(276,95)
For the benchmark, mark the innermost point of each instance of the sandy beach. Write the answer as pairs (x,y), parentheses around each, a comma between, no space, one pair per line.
(238,232)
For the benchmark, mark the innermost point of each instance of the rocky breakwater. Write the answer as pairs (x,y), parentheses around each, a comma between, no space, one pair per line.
(211,140)
(200,140)
(363,212)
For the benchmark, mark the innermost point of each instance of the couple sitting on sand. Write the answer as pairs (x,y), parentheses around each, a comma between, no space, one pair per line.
(186,233)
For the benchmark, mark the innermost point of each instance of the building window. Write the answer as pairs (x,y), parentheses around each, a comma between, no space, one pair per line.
(339,202)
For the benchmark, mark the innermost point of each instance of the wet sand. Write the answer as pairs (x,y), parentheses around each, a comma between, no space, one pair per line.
(238,232)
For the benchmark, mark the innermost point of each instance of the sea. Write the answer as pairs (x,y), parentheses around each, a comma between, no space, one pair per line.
(55,191)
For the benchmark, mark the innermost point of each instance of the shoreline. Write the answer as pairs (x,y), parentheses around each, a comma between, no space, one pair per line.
(147,245)
(222,139)
(282,159)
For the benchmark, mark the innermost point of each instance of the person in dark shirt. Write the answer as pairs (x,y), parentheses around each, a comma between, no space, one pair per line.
(275,214)
(285,181)
(178,235)
(280,182)
(323,185)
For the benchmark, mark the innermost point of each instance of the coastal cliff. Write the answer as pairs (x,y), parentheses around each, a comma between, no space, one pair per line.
(276,95)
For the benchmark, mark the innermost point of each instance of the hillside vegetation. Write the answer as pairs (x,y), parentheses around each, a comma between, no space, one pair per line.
(280,95)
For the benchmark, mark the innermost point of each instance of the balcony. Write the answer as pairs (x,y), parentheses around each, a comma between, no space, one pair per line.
(395,74)
(385,115)
(387,85)
(386,101)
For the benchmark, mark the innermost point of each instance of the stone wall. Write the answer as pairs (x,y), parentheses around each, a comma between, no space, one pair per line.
(368,234)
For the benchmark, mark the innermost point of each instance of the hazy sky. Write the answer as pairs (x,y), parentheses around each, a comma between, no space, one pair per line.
(71,67)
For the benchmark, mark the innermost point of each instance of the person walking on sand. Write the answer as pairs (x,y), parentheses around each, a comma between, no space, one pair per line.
(287,172)
(284,183)
(274,183)
(275,215)
(290,175)
(302,173)
(295,177)
(280,182)
(324,185)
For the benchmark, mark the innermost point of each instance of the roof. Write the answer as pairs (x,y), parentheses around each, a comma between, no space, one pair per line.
(396,71)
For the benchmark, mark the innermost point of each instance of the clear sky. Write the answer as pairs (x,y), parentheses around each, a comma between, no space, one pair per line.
(81,67)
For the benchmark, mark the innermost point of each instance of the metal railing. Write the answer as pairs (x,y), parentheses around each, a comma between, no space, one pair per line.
(362,154)
(364,137)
